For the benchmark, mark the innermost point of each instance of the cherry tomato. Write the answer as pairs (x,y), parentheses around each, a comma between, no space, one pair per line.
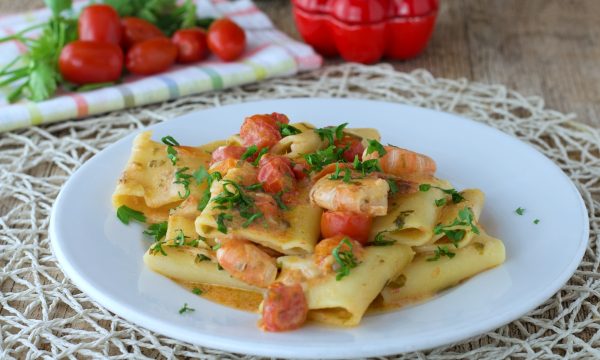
(226,39)
(88,62)
(300,169)
(100,23)
(191,44)
(227,152)
(276,174)
(136,30)
(151,56)
(284,308)
(260,130)
(355,225)
(355,147)
(280,118)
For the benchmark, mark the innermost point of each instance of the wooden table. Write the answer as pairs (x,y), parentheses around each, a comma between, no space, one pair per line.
(549,48)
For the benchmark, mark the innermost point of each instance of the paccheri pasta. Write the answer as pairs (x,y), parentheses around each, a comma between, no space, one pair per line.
(322,223)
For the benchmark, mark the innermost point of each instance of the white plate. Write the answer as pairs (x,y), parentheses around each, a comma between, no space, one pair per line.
(104,257)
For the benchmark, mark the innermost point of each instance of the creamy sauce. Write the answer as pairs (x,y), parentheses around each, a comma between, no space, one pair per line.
(234,298)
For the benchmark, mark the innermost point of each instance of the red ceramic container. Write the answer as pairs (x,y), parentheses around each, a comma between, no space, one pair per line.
(366,30)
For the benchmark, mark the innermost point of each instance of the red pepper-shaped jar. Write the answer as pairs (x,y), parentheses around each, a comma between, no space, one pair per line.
(366,30)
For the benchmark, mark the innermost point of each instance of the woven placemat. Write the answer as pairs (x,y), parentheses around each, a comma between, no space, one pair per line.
(43,314)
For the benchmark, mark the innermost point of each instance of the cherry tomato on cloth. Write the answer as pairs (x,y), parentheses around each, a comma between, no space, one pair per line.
(355,147)
(355,225)
(227,152)
(191,44)
(275,173)
(284,307)
(260,130)
(100,23)
(226,39)
(136,30)
(151,56)
(88,62)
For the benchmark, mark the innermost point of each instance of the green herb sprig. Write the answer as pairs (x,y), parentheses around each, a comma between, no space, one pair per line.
(185,308)
(126,214)
(465,219)
(287,129)
(441,251)
(171,152)
(331,133)
(345,259)
(158,231)
(456,196)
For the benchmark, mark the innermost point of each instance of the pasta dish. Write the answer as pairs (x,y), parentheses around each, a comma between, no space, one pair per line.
(300,223)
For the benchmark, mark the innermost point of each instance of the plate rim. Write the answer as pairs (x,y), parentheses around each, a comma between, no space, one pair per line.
(225,344)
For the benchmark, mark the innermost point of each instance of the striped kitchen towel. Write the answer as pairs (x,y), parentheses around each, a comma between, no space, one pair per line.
(269,53)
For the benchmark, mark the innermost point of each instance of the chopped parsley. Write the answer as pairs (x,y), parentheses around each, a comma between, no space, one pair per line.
(347,177)
(157,248)
(171,152)
(221,222)
(465,219)
(249,152)
(520,211)
(441,251)
(260,155)
(331,133)
(157,231)
(380,240)
(440,202)
(197,291)
(183,178)
(280,203)
(320,158)
(287,130)
(344,259)
(375,145)
(367,166)
(201,257)
(255,187)
(185,309)
(252,217)
(536,221)
(456,196)
(393,186)
(216,247)
(126,214)
(202,175)
(179,239)
(401,218)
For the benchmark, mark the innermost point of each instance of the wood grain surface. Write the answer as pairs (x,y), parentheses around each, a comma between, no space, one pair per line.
(549,48)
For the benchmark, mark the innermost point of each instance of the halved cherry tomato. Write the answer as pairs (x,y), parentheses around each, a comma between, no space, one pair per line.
(284,307)
(191,44)
(276,174)
(260,130)
(355,225)
(88,62)
(151,56)
(226,39)
(227,152)
(100,23)
(300,169)
(136,30)
(280,118)
(355,147)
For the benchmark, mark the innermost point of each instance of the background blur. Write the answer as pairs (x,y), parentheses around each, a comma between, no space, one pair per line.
(549,48)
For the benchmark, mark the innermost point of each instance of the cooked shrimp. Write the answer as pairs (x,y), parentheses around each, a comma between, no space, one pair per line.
(368,196)
(398,161)
(284,308)
(247,262)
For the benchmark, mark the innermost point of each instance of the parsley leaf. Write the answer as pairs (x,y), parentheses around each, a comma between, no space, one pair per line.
(185,309)
(520,211)
(380,240)
(251,150)
(183,178)
(367,166)
(441,251)
(280,203)
(456,196)
(171,152)
(375,145)
(126,214)
(221,222)
(440,202)
(344,259)
(157,248)
(331,133)
(201,257)
(260,155)
(287,130)
(393,186)
(321,158)
(158,231)
(454,234)
(197,291)
(536,221)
